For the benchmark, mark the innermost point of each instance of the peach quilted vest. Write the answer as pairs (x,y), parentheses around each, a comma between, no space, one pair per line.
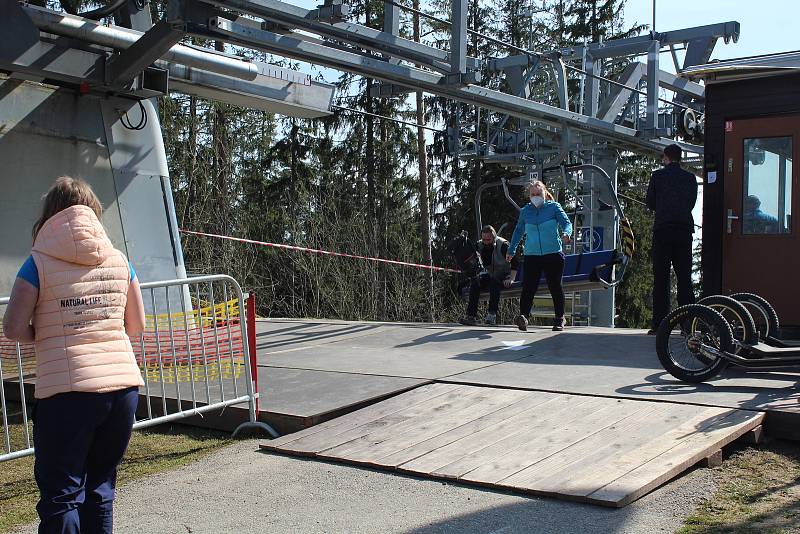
(81,344)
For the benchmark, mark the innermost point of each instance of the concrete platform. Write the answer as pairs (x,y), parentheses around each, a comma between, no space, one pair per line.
(297,398)
(617,363)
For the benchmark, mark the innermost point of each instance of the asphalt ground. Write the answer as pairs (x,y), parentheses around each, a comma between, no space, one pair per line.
(243,490)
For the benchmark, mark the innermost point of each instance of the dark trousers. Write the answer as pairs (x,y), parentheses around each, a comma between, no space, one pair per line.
(671,248)
(482,282)
(80,439)
(553,267)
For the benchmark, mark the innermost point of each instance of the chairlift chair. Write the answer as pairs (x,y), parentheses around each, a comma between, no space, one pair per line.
(583,270)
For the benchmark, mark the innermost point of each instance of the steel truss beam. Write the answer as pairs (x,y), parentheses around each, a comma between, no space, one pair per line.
(700,40)
(292,16)
(428,81)
(615,102)
(342,46)
(124,66)
(87,31)
(641,45)
(59,60)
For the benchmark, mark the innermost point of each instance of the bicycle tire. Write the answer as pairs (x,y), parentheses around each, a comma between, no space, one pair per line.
(744,329)
(719,334)
(772,325)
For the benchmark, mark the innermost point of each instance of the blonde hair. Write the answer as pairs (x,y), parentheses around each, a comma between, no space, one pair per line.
(65,192)
(546,194)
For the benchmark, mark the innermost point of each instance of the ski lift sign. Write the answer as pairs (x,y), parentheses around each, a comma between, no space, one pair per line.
(591,238)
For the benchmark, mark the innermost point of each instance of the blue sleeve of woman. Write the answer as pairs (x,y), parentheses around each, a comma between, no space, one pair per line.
(563,220)
(519,231)
(29,272)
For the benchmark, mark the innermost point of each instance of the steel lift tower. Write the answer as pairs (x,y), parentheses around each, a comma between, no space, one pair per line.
(76,64)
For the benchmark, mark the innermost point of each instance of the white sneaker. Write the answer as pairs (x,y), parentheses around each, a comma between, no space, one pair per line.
(491,318)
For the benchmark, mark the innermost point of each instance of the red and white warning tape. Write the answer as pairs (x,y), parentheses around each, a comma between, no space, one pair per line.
(323,252)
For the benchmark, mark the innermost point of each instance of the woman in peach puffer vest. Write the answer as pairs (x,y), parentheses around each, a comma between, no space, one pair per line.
(78,300)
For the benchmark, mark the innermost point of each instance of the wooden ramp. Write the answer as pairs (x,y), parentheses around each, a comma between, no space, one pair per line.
(595,449)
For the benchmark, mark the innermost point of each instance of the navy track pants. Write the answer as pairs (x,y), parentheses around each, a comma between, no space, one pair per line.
(80,439)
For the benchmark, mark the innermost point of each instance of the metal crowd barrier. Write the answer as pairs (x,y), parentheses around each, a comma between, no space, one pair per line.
(194,355)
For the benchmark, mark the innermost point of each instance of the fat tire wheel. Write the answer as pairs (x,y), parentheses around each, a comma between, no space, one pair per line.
(744,332)
(773,325)
(690,315)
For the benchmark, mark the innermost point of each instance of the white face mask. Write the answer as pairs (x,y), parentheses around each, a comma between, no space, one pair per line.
(537,201)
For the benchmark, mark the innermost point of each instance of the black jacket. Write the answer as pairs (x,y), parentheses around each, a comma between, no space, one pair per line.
(672,193)
(494,258)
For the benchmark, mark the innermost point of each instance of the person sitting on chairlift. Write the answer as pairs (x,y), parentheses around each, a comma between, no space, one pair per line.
(497,273)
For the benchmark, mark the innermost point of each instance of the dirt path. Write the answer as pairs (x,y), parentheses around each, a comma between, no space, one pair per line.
(240,489)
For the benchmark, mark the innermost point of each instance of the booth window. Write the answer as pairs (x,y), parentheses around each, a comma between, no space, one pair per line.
(767,188)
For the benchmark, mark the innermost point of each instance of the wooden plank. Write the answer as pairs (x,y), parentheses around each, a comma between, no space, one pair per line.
(604,451)
(591,451)
(440,410)
(556,476)
(336,436)
(549,439)
(434,461)
(530,400)
(376,411)
(393,439)
(537,424)
(683,455)
(583,484)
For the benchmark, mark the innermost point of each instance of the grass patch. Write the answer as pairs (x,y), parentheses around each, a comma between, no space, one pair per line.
(151,451)
(758,492)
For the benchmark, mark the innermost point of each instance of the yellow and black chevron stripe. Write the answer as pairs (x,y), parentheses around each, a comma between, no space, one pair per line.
(628,241)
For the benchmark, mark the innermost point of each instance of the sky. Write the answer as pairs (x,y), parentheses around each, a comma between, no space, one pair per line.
(761,31)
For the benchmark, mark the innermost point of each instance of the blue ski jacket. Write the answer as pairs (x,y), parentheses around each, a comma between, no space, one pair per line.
(541,226)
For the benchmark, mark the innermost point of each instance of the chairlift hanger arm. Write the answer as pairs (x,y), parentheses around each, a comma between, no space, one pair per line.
(519,180)
(575,167)
(508,195)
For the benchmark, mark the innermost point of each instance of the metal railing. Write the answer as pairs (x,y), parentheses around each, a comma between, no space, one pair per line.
(194,355)
(16,363)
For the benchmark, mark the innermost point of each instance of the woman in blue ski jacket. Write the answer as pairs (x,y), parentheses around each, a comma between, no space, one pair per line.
(545,224)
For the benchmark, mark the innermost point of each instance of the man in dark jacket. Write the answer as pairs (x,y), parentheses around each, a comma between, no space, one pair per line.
(497,274)
(672,193)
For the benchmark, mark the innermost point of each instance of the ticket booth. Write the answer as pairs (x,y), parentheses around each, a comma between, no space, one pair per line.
(751,198)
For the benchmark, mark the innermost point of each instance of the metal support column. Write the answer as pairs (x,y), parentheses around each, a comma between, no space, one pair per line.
(592,85)
(651,116)
(560,71)
(458,41)
(391,22)
(605,224)
(519,83)
(135,14)
(391,26)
